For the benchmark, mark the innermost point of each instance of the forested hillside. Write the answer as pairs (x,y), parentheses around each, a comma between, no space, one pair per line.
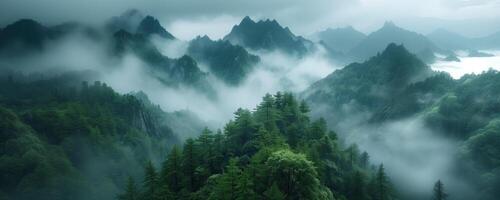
(65,138)
(396,85)
(274,152)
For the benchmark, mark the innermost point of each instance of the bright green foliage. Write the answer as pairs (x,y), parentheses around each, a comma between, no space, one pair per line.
(227,185)
(274,152)
(295,175)
(63,138)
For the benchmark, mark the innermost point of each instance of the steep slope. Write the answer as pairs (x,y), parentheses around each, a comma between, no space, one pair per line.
(395,85)
(231,63)
(267,35)
(66,139)
(341,39)
(272,152)
(173,72)
(368,86)
(151,26)
(128,21)
(390,33)
(28,36)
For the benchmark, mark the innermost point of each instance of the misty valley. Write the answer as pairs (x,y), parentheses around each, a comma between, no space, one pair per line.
(127,108)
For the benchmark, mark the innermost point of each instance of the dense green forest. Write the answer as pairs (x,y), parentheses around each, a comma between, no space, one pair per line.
(273,152)
(382,90)
(69,135)
(62,137)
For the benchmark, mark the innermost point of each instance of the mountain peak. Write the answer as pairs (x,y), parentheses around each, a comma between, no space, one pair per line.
(128,21)
(150,25)
(25,24)
(247,20)
(268,35)
(389,24)
(394,48)
(27,31)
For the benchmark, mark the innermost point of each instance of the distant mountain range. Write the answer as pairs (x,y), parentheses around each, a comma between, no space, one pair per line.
(453,41)
(341,39)
(390,33)
(229,59)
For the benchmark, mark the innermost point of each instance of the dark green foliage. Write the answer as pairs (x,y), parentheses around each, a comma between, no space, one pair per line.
(61,138)
(395,85)
(274,152)
(439,193)
(171,176)
(151,183)
(231,63)
(267,35)
(381,183)
(274,193)
(131,191)
(27,36)
(382,85)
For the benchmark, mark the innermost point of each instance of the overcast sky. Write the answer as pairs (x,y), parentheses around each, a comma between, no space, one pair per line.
(187,18)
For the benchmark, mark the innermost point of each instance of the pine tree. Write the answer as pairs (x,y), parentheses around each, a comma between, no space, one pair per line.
(131,191)
(171,174)
(274,193)
(189,164)
(439,193)
(227,184)
(364,160)
(357,187)
(151,182)
(381,185)
(244,188)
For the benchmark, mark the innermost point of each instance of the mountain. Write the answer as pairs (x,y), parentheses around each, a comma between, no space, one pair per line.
(63,138)
(267,35)
(151,26)
(134,21)
(172,72)
(128,21)
(449,40)
(368,86)
(341,39)
(390,33)
(396,85)
(453,41)
(27,36)
(229,62)
(272,152)
(491,41)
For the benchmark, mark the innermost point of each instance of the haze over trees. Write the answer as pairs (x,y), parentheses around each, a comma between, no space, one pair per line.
(109,112)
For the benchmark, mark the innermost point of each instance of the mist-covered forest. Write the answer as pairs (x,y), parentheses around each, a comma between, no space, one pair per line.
(249,100)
